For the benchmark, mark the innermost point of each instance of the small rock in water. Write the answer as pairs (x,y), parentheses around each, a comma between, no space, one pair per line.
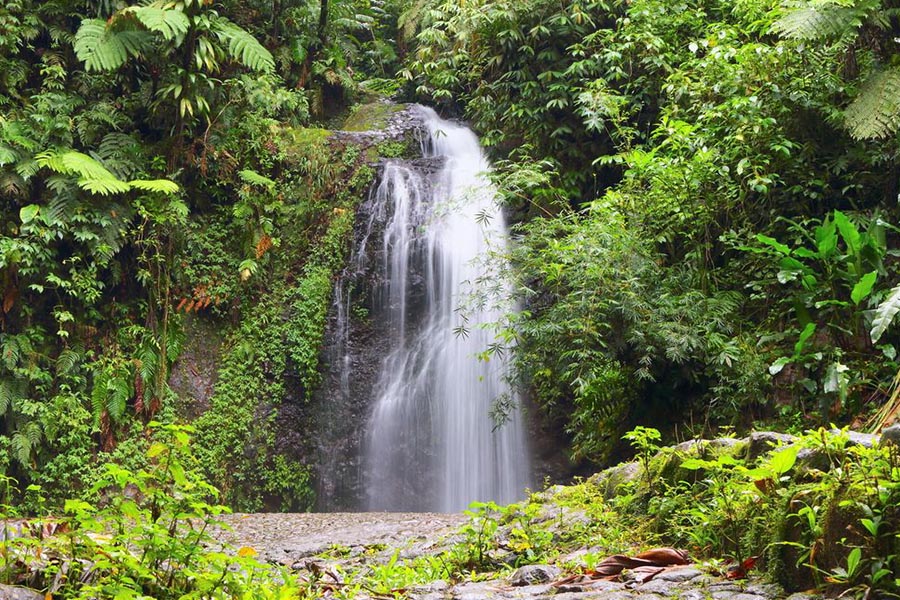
(534,574)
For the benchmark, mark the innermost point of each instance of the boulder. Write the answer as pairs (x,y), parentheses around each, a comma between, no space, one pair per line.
(891,435)
(12,592)
(761,442)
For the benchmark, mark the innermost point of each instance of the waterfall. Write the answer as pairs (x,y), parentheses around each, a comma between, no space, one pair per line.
(430,443)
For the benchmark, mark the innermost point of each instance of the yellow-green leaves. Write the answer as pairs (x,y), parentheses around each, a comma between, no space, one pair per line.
(97,179)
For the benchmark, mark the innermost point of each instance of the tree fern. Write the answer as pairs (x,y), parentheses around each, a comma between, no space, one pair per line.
(104,50)
(885,313)
(97,179)
(819,21)
(244,48)
(171,23)
(160,186)
(875,113)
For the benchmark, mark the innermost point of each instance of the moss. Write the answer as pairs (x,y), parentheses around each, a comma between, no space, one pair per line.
(372,116)
(300,140)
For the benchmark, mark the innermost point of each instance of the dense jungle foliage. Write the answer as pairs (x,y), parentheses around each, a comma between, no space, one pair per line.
(705,194)
(708,194)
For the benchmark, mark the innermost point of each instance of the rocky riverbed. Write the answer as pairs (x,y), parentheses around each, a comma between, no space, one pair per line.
(329,546)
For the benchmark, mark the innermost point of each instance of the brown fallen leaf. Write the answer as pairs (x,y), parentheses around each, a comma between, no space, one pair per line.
(740,571)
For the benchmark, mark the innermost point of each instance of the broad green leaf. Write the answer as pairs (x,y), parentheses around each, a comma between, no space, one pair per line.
(783,461)
(853,560)
(835,379)
(848,232)
(863,287)
(770,241)
(29,212)
(776,367)
(885,313)
(807,333)
(826,239)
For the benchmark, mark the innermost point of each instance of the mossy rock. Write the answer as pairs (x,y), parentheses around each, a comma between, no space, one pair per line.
(373,116)
(666,465)
(300,141)
(610,482)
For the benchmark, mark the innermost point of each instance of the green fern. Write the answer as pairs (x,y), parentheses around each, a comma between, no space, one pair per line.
(97,179)
(67,361)
(875,112)
(103,50)
(118,392)
(7,156)
(244,48)
(25,440)
(9,396)
(171,23)
(819,21)
(254,178)
(160,186)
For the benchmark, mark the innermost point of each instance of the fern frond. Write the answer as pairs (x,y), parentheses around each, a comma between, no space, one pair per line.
(118,393)
(98,395)
(171,23)
(105,50)
(254,178)
(11,351)
(161,186)
(8,396)
(58,207)
(7,156)
(885,313)
(104,187)
(819,22)
(85,166)
(244,48)
(875,112)
(67,360)
(21,448)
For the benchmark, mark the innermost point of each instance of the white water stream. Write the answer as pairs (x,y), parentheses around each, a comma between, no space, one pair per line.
(431,443)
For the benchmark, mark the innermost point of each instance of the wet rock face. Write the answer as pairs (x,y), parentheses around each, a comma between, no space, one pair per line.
(358,339)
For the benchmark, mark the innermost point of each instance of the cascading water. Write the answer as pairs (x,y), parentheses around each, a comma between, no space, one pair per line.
(430,442)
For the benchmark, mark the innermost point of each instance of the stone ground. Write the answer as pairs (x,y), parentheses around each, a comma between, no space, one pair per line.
(299,541)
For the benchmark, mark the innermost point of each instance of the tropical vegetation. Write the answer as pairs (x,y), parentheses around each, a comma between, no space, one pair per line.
(705,198)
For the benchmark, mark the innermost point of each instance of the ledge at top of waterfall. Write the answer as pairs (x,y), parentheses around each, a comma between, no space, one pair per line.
(439,238)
